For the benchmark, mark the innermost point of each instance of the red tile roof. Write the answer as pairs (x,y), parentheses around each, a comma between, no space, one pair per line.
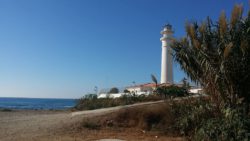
(143,85)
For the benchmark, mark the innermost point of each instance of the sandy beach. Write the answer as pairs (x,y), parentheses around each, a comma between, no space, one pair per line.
(28,125)
(31,125)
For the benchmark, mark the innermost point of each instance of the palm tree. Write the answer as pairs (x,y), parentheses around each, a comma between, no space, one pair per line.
(154,79)
(217,56)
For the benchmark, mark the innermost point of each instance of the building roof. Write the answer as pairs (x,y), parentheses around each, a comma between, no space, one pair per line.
(142,85)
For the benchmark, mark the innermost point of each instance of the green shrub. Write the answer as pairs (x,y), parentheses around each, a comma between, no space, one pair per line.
(172,91)
(189,113)
(233,125)
(200,119)
(6,110)
(91,102)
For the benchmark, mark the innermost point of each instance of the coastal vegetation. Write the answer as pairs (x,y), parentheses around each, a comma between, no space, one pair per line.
(173,91)
(91,102)
(215,55)
(114,90)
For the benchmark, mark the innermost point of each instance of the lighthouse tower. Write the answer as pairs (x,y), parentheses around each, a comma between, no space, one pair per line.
(166,58)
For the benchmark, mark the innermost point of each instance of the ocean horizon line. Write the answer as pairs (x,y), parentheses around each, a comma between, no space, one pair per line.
(36,103)
(38,98)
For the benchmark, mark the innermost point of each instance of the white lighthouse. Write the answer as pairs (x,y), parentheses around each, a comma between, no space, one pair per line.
(166,58)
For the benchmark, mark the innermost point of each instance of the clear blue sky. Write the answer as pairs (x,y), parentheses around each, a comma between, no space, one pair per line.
(63,48)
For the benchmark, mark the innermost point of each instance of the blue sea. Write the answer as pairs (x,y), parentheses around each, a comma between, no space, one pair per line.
(37,103)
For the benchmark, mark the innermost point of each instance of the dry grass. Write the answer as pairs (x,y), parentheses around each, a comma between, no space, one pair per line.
(148,120)
(128,134)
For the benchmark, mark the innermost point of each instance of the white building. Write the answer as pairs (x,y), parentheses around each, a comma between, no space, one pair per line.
(143,89)
(166,58)
(196,90)
(106,95)
(146,89)
(102,95)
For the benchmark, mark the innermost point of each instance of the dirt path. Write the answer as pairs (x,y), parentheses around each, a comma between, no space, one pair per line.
(44,125)
(20,125)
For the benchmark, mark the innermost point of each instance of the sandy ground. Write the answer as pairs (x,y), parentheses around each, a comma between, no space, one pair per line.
(59,126)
